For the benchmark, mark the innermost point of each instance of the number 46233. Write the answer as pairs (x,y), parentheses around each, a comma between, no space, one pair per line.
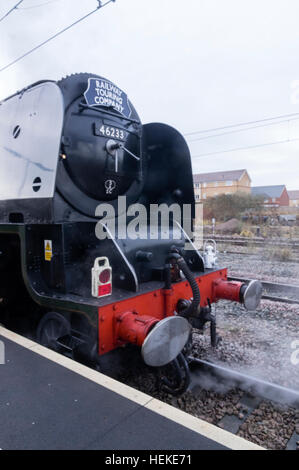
(112,132)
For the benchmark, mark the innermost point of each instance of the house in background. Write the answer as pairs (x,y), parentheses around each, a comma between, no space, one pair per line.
(220,182)
(294,198)
(274,196)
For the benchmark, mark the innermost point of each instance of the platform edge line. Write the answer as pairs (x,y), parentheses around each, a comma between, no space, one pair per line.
(202,427)
(197,425)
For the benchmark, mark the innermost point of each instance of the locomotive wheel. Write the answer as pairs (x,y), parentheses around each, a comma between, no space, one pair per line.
(52,327)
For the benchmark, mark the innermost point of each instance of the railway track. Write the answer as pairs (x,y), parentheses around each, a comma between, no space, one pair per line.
(242,241)
(257,400)
(262,388)
(276,292)
(244,253)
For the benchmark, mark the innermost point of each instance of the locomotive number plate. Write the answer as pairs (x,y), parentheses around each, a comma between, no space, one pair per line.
(109,131)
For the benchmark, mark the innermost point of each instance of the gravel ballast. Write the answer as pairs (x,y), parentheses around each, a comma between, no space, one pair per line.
(261,344)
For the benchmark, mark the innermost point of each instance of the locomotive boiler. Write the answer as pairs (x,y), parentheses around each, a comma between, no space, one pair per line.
(76,162)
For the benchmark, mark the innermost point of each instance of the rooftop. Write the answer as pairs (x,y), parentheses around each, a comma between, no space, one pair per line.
(231,175)
(269,191)
(293,194)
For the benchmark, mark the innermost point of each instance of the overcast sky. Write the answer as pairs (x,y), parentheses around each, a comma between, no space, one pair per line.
(194,64)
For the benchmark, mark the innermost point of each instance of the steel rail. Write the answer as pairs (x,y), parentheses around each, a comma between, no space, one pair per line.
(262,388)
(252,241)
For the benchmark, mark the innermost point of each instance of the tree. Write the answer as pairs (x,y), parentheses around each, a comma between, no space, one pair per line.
(227,206)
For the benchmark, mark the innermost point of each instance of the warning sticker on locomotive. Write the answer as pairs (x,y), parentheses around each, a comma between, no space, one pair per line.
(102,92)
(48,250)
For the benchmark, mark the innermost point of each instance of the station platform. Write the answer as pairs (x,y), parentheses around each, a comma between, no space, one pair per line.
(48,401)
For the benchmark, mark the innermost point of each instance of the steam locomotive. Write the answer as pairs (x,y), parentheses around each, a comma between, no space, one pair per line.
(74,157)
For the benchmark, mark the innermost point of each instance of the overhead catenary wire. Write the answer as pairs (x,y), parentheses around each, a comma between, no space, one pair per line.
(11,10)
(38,5)
(230,126)
(100,6)
(211,136)
(204,155)
(285,118)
